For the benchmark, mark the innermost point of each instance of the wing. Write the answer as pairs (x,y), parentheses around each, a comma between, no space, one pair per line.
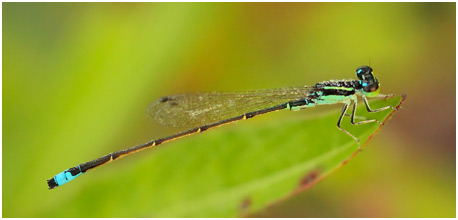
(203,108)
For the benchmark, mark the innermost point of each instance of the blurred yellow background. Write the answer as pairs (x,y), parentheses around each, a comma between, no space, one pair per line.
(77,78)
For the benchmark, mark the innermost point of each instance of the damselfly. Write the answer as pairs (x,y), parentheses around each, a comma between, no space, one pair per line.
(208,110)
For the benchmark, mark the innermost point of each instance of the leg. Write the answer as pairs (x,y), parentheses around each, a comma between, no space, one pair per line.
(376,110)
(344,109)
(384,96)
(360,122)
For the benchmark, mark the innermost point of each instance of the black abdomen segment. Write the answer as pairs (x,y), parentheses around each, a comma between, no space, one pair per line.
(299,103)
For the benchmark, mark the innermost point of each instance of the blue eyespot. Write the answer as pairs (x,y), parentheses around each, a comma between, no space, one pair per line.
(364,84)
(359,71)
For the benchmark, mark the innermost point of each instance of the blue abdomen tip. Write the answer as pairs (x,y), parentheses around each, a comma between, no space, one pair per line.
(64,177)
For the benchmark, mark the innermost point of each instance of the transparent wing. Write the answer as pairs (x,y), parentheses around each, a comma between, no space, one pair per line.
(204,108)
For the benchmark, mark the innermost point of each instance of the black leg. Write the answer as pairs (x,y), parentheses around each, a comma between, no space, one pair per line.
(376,110)
(360,122)
(344,109)
(353,116)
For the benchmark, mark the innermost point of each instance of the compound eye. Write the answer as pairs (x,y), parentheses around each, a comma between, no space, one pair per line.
(372,87)
(363,70)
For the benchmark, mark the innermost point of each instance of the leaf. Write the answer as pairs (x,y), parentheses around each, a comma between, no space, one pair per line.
(226,172)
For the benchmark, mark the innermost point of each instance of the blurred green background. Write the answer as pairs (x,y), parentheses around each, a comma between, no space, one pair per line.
(77,78)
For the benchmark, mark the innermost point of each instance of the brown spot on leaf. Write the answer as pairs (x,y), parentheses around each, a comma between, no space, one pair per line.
(245,204)
(309,178)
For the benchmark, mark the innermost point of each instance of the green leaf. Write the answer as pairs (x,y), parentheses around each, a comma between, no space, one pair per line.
(225,172)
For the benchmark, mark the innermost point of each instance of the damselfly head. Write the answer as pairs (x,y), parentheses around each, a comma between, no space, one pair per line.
(367,80)
(363,71)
